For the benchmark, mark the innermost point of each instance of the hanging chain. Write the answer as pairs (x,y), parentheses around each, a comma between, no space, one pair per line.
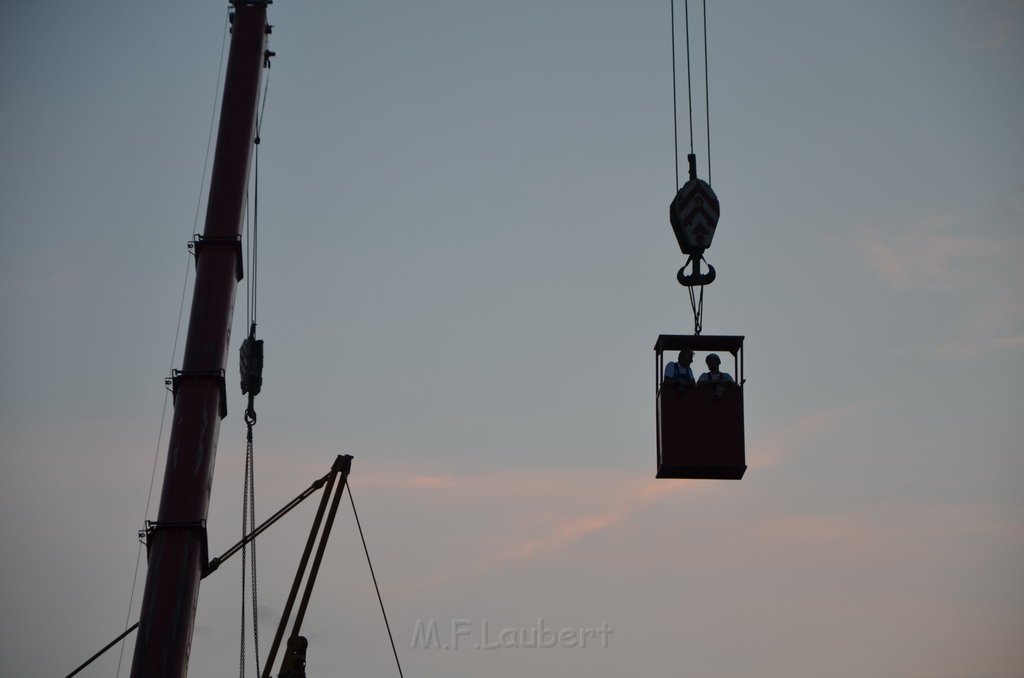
(245,531)
(248,524)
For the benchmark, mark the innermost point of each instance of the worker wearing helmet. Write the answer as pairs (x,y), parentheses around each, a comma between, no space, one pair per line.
(680,372)
(714,378)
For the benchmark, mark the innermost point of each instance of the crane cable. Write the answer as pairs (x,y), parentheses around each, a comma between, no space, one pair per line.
(696,299)
(697,304)
(251,368)
(689,84)
(174,348)
(374,577)
(675,98)
(707,96)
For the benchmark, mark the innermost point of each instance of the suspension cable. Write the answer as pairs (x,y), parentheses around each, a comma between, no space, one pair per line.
(252,365)
(689,84)
(707,97)
(675,115)
(696,298)
(252,257)
(697,305)
(374,576)
(689,94)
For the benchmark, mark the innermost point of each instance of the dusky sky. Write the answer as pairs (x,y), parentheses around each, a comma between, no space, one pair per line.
(465,260)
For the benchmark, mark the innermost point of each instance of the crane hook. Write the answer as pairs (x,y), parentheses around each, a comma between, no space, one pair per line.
(695,278)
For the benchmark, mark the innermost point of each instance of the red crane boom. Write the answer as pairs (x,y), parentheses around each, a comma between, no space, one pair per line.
(176,541)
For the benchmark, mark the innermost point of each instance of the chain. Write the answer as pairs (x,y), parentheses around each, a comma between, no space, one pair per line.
(250,419)
(245,531)
(248,523)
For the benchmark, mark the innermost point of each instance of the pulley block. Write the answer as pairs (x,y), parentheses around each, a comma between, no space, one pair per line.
(694,216)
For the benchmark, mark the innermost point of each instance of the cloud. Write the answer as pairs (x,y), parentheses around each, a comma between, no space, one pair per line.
(895,534)
(934,254)
(986,26)
(418,482)
(542,514)
(551,511)
(627,498)
(925,256)
(974,349)
(833,536)
(561,535)
(776,446)
(537,514)
(34,275)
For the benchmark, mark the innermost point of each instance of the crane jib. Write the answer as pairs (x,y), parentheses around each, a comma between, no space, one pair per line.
(176,544)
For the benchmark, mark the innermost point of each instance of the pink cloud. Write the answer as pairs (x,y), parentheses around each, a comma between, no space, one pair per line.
(562,508)
(1008,342)
(924,256)
(831,534)
(776,446)
(419,482)
(539,514)
(975,348)
(889,533)
(561,535)
(986,26)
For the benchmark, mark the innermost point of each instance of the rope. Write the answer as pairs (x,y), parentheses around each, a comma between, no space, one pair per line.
(374,576)
(177,335)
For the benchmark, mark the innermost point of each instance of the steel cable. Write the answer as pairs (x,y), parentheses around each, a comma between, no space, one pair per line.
(374,576)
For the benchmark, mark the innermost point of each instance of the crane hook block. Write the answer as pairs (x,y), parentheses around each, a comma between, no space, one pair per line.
(694,216)
(696,278)
(250,362)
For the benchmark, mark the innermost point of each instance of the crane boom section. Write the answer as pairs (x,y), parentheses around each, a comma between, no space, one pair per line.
(176,541)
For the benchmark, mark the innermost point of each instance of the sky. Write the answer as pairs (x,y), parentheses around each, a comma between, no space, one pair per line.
(465,261)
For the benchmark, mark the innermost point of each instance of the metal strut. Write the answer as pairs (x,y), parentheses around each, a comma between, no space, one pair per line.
(211,566)
(293,664)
